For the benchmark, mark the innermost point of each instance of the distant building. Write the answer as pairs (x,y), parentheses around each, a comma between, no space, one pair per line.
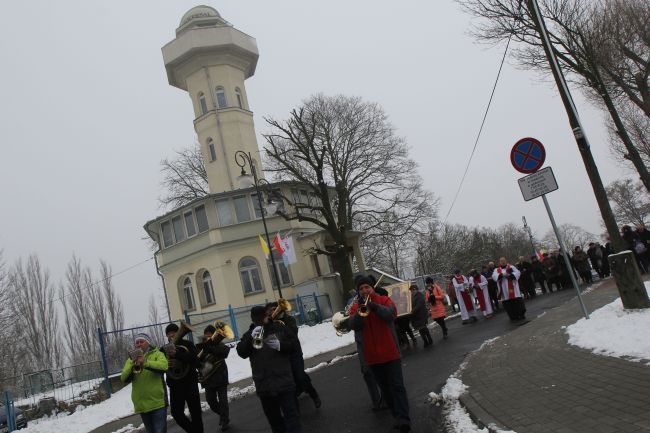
(209,253)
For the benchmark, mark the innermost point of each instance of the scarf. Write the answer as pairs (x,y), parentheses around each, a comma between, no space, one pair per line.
(511,284)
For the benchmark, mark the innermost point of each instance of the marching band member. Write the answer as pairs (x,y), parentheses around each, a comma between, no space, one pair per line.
(465,301)
(480,285)
(302,379)
(375,317)
(216,385)
(148,392)
(420,315)
(268,345)
(507,277)
(184,387)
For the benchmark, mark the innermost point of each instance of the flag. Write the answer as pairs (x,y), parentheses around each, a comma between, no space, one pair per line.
(265,247)
(288,251)
(540,256)
(277,242)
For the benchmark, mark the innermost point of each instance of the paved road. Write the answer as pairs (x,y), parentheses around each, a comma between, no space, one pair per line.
(346,406)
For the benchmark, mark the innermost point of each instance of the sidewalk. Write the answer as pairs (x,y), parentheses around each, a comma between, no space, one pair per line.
(531,380)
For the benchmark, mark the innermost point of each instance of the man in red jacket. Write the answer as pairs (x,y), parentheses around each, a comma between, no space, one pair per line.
(380,348)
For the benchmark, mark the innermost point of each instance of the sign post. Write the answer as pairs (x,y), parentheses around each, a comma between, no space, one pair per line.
(527,156)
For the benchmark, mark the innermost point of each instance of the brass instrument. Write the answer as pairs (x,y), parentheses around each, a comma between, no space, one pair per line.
(283,305)
(177,369)
(207,364)
(340,318)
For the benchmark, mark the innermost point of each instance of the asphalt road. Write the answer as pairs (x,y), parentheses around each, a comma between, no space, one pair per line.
(346,405)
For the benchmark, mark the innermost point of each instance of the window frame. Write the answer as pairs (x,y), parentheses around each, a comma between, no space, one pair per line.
(248,270)
(212,150)
(186,288)
(278,264)
(240,97)
(220,91)
(210,288)
(203,103)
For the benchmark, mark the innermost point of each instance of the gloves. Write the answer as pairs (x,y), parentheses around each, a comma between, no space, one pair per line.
(255,333)
(273,342)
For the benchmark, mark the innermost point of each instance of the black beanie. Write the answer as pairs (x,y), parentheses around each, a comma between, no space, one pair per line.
(172,327)
(257,313)
(209,329)
(363,279)
(429,280)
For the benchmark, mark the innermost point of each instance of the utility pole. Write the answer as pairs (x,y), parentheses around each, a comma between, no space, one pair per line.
(630,286)
(530,235)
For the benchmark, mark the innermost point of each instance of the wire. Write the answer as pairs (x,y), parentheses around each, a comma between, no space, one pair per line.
(478,136)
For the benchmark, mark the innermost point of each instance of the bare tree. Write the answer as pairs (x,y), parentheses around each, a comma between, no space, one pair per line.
(154,319)
(345,152)
(638,127)
(79,310)
(114,306)
(578,30)
(572,235)
(33,307)
(184,178)
(631,201)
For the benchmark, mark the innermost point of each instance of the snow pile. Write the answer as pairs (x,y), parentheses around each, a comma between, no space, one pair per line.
(314,339)
(614,331)
(456,417)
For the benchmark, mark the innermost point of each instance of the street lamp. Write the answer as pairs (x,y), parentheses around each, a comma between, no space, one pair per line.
(243,159)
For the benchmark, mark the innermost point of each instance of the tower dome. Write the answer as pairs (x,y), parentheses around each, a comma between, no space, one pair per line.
(200,16)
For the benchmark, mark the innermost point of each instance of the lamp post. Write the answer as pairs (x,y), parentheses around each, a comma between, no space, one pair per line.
(243,159)
(530,234)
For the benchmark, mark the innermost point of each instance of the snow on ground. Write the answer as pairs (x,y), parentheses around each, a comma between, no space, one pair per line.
(614,331)
(456,417)
(315,340)
(64,393)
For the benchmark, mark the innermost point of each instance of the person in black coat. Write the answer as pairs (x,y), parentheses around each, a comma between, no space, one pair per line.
(302,379)
(526,281)
(271,369)
(184,388)
(216,381)
(420,315)
(493,289)
(538,273)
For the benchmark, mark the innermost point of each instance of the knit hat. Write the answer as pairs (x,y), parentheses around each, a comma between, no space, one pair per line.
(428,280)
(209,329)
(143,336)
(363,279)
(172,327)
(257,313)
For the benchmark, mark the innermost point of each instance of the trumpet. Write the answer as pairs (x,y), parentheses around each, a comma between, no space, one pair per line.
(283,305)
(363,308)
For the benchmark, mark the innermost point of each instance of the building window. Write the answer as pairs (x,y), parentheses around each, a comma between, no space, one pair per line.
(314,259)
(221,98)
(208,291)
(168,237)
(249,273)
(256,206)
(224,211)
(212,150)
(242,210)
(201,218)
(283,271)
(239,97)
(203,103)
(188,295)
(179,232)
(189,224)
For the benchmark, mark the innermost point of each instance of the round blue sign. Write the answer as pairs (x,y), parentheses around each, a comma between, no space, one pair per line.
(527,155)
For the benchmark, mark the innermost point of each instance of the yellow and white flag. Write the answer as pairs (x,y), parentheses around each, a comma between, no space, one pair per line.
(265,247)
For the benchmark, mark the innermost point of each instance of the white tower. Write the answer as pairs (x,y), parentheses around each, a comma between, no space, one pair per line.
(210,60)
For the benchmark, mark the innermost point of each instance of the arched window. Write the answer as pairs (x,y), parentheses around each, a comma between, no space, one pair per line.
(283,271)
(221,97)
(240,101)
(188,295)
(212,150)
(208,291)
(203,103)
(249,272)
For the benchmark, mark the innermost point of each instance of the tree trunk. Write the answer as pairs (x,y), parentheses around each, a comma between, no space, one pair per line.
(628,279)
(344,267)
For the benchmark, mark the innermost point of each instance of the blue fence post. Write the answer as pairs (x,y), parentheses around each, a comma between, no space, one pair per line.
(9,412)
(189,322)
(102,351)
(233,321)
(320,315)
(300,309)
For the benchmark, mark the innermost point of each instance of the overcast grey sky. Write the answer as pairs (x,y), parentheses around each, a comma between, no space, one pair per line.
(86,115)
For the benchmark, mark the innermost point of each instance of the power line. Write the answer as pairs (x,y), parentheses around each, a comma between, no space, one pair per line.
(478,136)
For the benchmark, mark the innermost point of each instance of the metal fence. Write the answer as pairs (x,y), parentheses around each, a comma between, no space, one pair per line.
(67,385)
(114,345)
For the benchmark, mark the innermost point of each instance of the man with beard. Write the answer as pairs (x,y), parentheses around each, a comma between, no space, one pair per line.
(507,277)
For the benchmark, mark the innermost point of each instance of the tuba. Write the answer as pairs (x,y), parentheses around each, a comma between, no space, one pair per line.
(207,363)
(283,305)
(177,369)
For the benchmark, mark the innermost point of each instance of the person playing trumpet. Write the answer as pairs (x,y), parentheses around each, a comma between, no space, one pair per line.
(145,371)
(183,386)
(374,316)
